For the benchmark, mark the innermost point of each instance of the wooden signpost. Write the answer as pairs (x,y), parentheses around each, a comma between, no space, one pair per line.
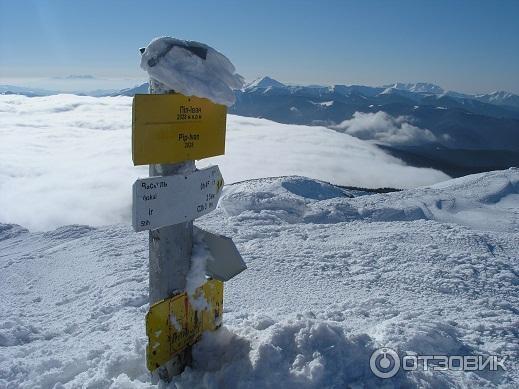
(169,131)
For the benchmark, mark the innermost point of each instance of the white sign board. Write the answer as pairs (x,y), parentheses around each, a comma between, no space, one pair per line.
(225,262)
(167,200)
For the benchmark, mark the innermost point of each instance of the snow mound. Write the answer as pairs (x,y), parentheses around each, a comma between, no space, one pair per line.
(312,189)
(69,232)
(8,231)
(290,354)
(191,68)
(288,195)
(308,353)
(473,201)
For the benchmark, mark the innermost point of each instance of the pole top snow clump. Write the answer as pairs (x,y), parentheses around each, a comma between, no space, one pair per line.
(191,68)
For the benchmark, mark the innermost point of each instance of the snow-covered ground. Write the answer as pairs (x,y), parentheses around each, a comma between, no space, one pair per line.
(330,279)
(67,159)
(332,274)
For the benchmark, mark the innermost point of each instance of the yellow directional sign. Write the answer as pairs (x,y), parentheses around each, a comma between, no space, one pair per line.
(173,324)
(173,128)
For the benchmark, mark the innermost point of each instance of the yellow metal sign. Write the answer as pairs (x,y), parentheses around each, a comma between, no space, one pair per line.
(173,324)
(174,128)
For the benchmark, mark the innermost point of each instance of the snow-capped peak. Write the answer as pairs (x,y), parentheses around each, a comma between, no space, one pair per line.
(501,93)
(418,87)
(498,95)
(499,98)
(264,82)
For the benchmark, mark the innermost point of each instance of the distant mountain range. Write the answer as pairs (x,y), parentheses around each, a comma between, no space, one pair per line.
(38,92)
(264,84)
(461,133)
(30,92)
(358,96)
(426,125)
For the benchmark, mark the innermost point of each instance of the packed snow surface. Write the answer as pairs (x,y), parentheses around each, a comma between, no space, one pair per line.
(192,68)
(67,159)
(332,275)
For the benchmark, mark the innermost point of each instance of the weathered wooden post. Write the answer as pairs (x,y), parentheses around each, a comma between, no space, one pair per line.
(170,131)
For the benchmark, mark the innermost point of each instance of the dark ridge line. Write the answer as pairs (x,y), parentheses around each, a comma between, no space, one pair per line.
(360,189)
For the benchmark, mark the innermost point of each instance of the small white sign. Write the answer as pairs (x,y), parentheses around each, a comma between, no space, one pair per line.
(166,200)
(226,261)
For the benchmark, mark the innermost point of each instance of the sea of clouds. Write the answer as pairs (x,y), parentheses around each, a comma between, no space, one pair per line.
(66,159)
(384,128)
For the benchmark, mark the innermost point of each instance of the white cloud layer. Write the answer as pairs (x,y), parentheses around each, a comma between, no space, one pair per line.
(66,159)
(384,128)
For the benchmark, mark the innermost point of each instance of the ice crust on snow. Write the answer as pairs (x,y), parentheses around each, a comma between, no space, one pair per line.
(191,68)
(330,278)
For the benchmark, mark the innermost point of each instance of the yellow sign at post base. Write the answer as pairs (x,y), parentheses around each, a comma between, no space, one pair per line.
(173,128)
(173,324)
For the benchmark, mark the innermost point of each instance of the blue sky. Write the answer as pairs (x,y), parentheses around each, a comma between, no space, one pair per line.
(469,46)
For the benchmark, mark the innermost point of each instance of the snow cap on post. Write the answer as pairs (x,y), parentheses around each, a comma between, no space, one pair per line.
(192,68)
